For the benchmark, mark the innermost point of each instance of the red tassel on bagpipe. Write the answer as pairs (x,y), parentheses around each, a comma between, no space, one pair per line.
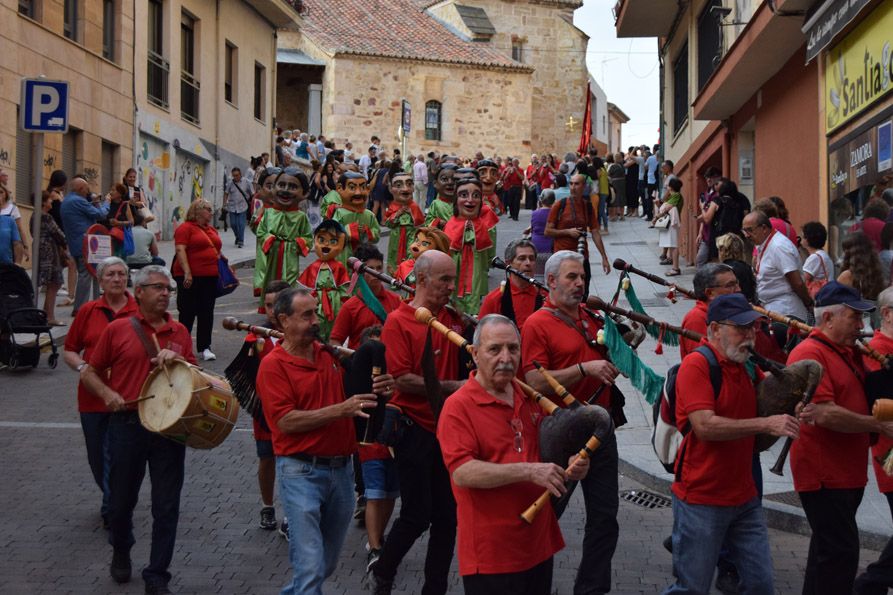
(660,339)
(671,295)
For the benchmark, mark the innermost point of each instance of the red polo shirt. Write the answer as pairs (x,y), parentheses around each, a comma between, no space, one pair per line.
(404,337)
(287,383)
(822,457)
(715,473)
(267,345)
(574,214)
(523,302)
(695,320)
(355,316)
(883,344)
(121,354)
(83,336)
(554,344)
(474,425)
(202,246)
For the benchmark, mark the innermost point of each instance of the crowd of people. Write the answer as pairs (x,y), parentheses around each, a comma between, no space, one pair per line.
(465,466)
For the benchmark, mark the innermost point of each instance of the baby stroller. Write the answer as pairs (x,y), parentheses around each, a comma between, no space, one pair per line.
(19,316)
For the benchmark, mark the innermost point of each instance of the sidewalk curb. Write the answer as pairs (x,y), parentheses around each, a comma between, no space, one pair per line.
(778,516)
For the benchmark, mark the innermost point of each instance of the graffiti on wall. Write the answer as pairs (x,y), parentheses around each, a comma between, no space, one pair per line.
(152,164)
(4,156)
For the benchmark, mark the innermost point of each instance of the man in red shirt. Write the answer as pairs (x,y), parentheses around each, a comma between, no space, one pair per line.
(715,499)
(366,308)
(488,431)
(512,181)
(569,219)
(426,498)
(301,390)
(525,298)
(830,460)
(878,577)
(117,369)
(562,337)
(711,280)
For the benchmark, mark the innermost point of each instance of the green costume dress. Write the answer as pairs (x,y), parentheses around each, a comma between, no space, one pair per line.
(331,198)
(403,232)
(329,281)
(471,243)
(360,227)
(439,213)
(282,238)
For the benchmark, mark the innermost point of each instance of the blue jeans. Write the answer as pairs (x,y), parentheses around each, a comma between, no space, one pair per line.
(318,502)
(603,209)
(698,534)
(95,426)
(432,194)
(237,222)
(131,448)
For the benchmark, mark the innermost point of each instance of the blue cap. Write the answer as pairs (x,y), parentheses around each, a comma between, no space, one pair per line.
(834,293)
(732,307)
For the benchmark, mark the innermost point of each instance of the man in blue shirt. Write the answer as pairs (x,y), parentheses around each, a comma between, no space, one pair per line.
(11,247)
(78,214)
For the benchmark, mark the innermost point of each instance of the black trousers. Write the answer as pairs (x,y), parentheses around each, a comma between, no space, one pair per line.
(834,547)
(878,577)
(600,495)
(533,581)
(426,504)
(513,200)
(197,302)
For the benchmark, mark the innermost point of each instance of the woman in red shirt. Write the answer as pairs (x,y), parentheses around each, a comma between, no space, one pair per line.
(83,336)
(197,248)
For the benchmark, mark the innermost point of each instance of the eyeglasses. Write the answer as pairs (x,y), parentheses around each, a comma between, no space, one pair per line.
(743,328)
(517,426)
(750,229)
(729,285)
(160,287)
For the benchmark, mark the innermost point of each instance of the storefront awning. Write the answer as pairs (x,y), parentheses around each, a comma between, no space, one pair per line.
(830,19)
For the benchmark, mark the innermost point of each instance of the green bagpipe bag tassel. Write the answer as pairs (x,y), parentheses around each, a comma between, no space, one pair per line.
(664,336)
(643,378)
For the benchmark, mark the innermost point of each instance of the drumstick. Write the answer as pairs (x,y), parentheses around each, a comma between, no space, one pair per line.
(162,364)
(141,399)
(531,513)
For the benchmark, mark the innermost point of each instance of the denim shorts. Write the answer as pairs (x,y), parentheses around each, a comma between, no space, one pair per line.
(264,449)
(380,479)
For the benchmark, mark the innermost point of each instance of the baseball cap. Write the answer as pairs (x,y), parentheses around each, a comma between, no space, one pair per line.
(834,293)
(732,307)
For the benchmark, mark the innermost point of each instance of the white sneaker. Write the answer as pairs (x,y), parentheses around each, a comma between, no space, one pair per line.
(208,355)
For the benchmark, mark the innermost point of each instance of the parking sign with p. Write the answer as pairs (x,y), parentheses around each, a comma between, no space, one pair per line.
(44,105)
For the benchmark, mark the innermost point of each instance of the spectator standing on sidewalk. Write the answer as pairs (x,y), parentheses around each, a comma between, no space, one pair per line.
(9,208)
(237,198)
(53,256)
(80,210)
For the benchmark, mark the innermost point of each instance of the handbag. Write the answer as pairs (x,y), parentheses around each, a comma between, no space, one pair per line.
(128,248)
(227,282)
(815,285)
(663,222)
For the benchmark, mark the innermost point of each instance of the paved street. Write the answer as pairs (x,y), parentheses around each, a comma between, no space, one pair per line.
(51,540)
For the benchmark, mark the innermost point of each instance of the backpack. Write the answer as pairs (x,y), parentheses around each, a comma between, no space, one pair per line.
(666,438)
(730,214)
(562,204)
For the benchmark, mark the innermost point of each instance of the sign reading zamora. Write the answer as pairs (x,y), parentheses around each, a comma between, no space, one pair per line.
(859,70)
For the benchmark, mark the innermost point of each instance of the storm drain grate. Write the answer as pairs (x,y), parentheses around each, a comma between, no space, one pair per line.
(789,498)
(645,499)
(632,243)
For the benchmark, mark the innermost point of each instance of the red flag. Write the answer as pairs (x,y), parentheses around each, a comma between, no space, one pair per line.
(587,124)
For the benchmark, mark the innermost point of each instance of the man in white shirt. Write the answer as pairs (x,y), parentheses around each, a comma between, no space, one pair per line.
(366,161)
(420,181)
(780,286)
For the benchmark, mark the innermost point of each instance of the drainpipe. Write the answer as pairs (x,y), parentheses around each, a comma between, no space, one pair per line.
(136,111)
(217,106)
(274,72)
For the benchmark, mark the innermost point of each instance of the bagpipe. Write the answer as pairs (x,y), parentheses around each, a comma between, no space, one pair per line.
(560,432)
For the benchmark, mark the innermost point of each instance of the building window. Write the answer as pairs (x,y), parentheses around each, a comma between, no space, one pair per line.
(70,19)
(156,81)
(28,8)
(260,75)
(680,89)
(230,72)
(108,29)
(109,151)
(189,85)
(709,51)
(517,50)
(433,111)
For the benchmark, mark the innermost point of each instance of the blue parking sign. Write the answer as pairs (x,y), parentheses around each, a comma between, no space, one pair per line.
(44,105)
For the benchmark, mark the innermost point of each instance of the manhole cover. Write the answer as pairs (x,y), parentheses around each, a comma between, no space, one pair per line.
(789,498)
(633,243)
(645,499)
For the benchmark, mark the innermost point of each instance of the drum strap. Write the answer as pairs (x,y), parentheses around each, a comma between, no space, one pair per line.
(141,335)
